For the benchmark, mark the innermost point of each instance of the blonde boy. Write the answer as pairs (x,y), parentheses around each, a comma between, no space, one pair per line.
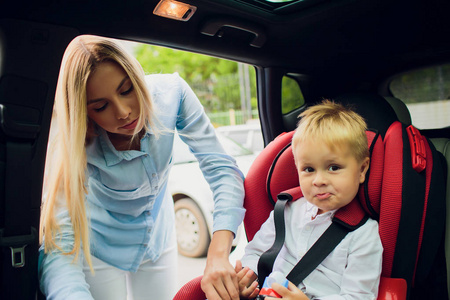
(332,158)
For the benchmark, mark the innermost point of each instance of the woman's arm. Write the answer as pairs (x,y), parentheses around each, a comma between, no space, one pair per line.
(226,182)
(61,276)
(219,169)
(219,279)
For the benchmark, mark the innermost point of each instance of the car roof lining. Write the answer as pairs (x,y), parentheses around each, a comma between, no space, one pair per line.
(345,45)
(362,37)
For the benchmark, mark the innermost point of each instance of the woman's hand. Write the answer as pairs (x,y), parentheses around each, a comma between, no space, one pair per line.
(220,280)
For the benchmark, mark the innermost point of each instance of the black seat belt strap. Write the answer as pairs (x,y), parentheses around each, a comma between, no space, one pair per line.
(267,259)
(334,234)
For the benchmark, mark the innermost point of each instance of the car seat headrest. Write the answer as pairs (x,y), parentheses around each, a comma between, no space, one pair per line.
(375,109)
(400,109)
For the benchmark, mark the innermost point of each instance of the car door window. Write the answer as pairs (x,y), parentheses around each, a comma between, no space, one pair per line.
(291,95)
(227,91)
(426,93)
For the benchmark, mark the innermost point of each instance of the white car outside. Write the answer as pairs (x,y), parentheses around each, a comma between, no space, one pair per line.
(193,198)
(248,135)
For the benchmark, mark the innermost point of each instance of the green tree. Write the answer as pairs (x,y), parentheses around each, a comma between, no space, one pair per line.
(214,80)
(291,95)
(191,66)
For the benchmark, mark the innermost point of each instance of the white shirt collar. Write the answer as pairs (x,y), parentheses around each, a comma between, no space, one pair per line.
(311,211)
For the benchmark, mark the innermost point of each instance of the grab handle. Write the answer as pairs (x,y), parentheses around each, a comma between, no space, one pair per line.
(214,27)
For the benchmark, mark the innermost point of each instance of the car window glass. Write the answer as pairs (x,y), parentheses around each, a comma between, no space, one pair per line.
(182,154)
(227,91)
(291,95)
(426,93)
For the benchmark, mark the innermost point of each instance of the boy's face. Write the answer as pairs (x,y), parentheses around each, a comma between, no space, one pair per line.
(329,179)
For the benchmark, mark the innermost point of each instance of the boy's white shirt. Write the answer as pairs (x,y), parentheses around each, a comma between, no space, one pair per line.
(351,271)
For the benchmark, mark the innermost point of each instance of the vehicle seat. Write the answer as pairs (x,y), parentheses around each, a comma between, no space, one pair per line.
(443,146)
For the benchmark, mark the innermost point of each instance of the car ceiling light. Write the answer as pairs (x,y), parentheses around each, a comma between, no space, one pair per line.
(174,10)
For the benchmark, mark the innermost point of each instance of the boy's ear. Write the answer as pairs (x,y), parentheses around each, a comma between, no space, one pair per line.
(364,168)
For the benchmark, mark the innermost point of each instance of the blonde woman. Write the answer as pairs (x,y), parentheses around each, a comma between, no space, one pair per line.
(107,222)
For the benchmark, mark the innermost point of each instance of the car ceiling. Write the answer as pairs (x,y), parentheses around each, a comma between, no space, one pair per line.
(368,38)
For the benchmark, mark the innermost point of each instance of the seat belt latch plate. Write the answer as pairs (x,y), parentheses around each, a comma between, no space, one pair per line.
(18,256)
(17,246)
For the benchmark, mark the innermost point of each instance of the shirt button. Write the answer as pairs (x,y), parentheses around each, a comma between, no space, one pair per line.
(145,245)
(308,228)
(149,230)
(154,175)
(147,213)
(156,187)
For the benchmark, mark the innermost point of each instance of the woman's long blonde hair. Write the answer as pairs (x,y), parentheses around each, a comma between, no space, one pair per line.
(66,160)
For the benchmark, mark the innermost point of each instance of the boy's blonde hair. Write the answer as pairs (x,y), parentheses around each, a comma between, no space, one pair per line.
(66,159)
(335,125)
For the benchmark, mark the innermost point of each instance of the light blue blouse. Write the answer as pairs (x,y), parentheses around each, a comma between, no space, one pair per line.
(128,203)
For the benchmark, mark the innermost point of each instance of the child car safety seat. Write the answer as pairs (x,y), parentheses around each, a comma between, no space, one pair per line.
(404,191)
(442,144)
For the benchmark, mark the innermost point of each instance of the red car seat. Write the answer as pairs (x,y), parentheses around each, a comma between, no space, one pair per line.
(404,191)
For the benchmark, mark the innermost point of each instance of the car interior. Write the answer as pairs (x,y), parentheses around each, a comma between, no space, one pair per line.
(383,55)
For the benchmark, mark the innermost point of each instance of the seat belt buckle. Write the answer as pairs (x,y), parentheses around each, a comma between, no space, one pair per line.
(17,244)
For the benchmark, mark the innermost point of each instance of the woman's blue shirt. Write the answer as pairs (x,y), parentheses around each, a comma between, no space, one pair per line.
(128,203)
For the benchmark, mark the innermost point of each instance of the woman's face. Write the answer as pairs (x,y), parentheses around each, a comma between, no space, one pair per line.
(111,99)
